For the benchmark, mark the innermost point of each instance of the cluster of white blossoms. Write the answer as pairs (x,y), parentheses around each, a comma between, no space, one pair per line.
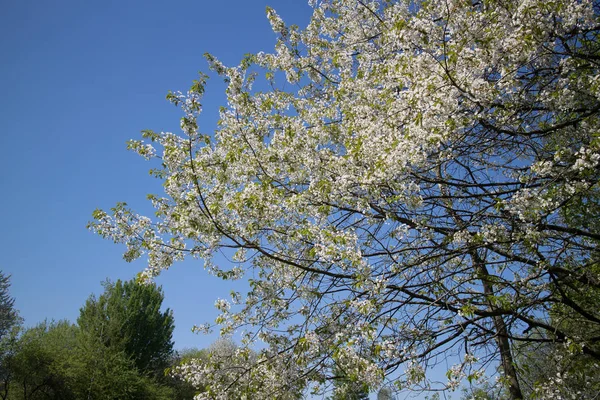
(387,198)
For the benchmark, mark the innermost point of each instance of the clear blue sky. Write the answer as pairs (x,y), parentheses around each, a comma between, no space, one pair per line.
(78,79)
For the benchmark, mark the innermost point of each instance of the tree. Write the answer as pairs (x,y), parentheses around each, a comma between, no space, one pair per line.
(101,372)
(424,195)
(8,315)
(41,363)
(8,348)
(58,361)
(9,329)
(127,318)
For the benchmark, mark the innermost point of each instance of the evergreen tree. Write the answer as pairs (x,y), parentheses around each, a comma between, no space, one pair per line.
(8,315)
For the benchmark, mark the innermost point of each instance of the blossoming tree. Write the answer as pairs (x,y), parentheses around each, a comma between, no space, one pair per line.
(424,193)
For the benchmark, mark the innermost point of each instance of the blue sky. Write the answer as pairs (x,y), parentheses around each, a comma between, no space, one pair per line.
(78,79)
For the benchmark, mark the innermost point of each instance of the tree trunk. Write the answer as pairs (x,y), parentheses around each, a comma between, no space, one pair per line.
(506,358)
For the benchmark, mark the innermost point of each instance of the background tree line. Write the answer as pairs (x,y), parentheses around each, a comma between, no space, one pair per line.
(120,348)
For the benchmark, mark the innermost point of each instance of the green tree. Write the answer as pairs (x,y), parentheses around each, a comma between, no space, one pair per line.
(107,373)
(8,315)
(8,348)
(127,318)
(9,330)
(56,360)
(40,365)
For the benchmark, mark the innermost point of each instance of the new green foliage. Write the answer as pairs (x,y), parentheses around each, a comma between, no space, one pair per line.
(127,317)
(120,350)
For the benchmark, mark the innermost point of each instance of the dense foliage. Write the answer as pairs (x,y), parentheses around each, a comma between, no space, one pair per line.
(416,186)
(100,359)
(59,361)
(127,317)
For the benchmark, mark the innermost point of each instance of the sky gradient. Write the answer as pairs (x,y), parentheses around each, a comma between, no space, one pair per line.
(78,80)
